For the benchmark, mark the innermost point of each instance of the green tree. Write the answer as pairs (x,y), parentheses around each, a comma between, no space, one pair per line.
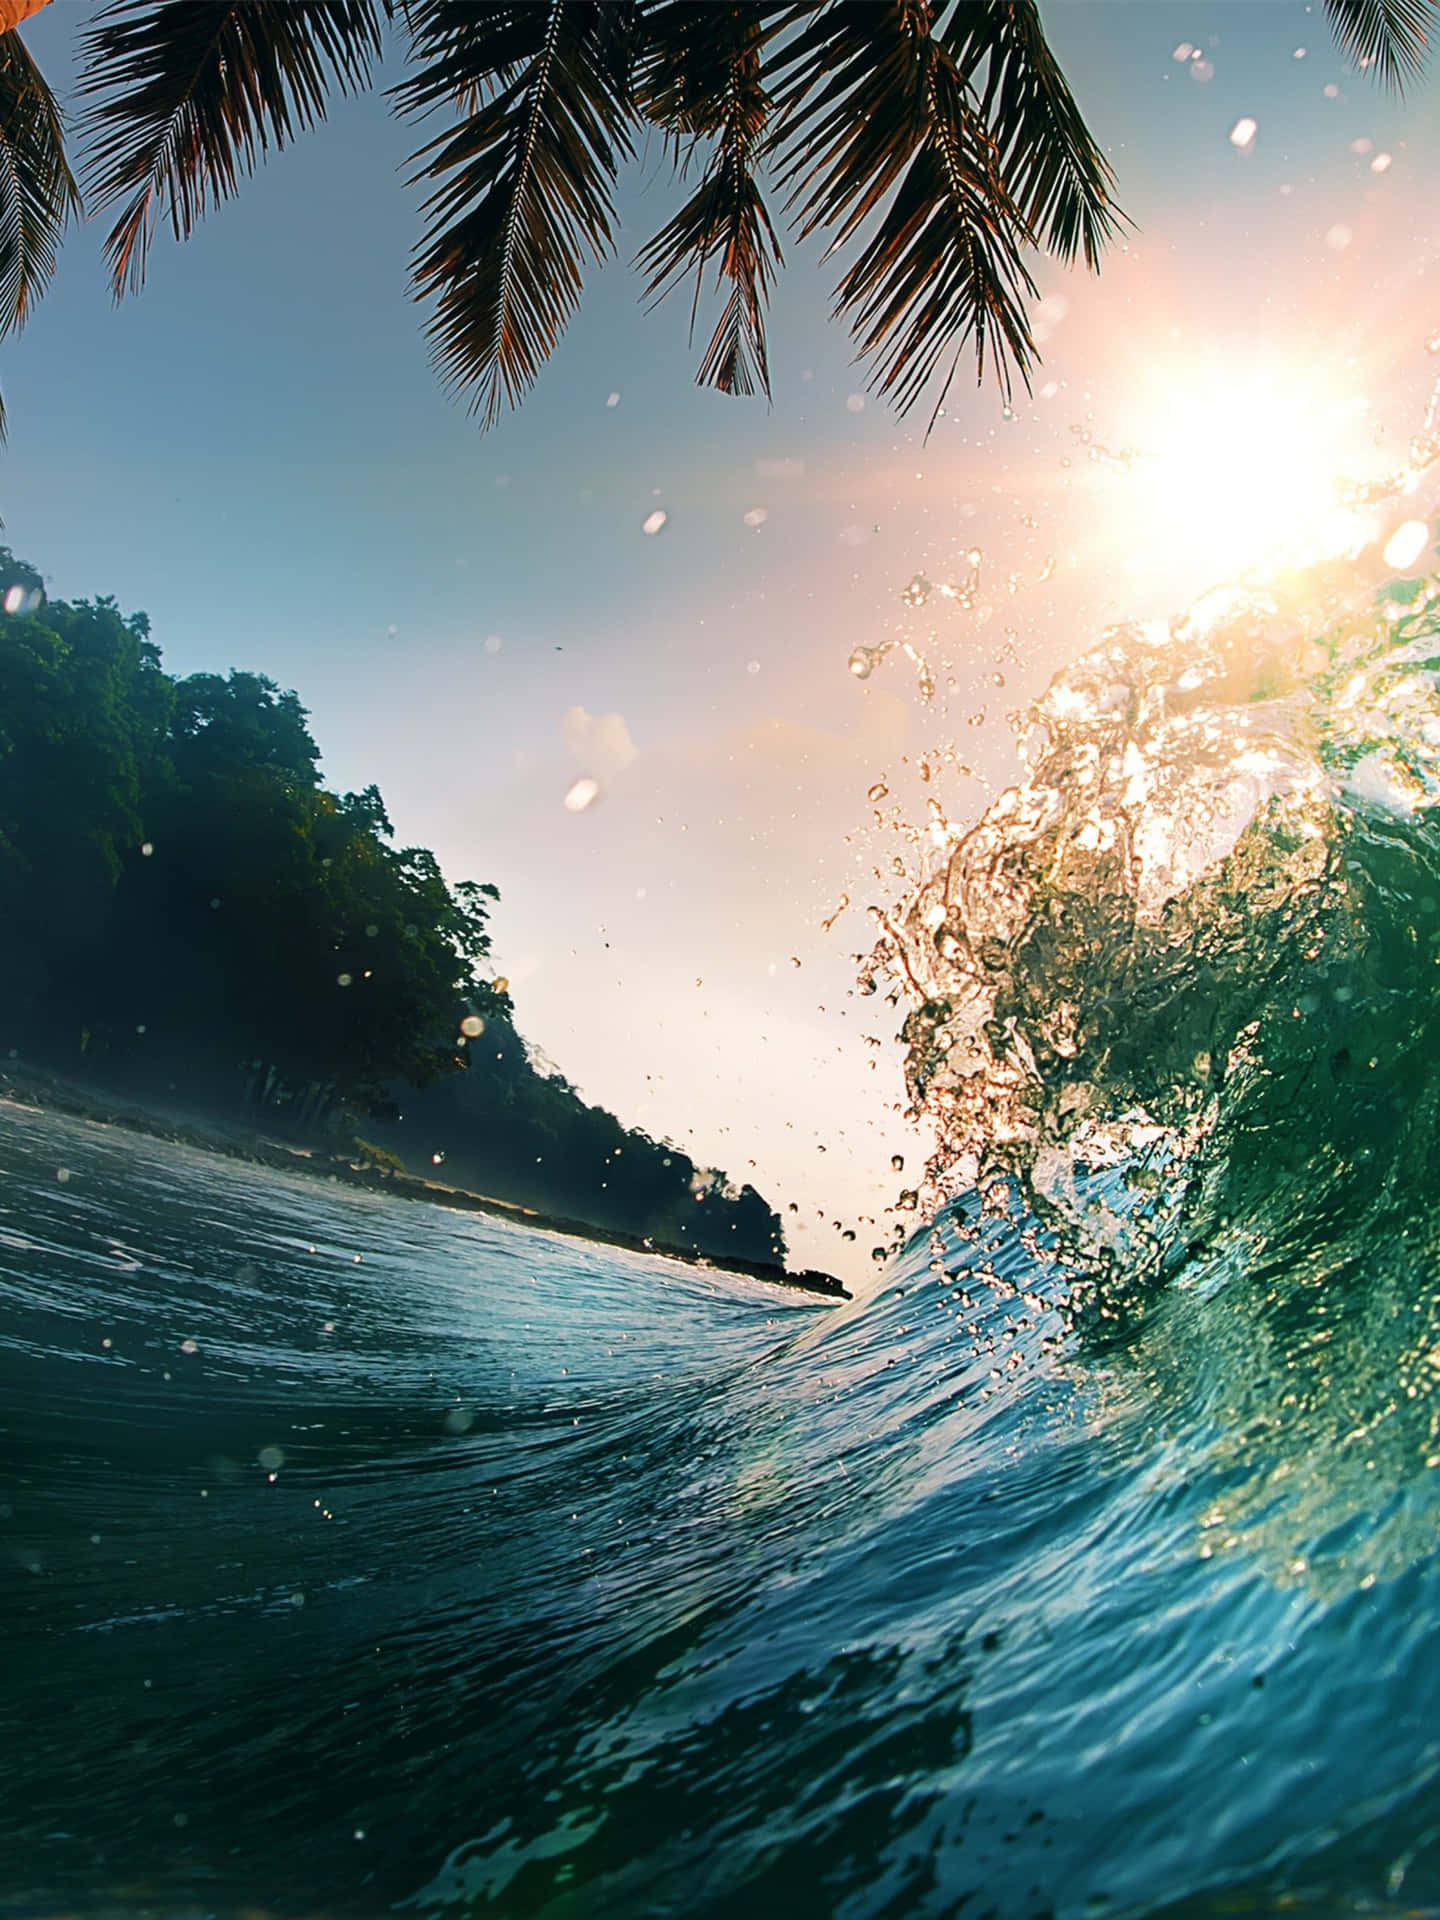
(184,906)
(516,1129)
(274,922)
(239,722)
(82,699)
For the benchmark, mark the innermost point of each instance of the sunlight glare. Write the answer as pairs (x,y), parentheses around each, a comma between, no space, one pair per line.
(1245,468)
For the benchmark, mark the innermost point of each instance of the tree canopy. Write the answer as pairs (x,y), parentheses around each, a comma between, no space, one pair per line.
(186,910)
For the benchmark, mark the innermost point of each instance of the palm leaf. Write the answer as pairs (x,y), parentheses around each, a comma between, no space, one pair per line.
(187,95)
(881,125)
(522,186)
(1390,35)
(700,78)
(1051,166)
(37,191)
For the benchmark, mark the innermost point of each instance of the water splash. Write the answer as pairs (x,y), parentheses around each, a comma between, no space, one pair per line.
(1187,903)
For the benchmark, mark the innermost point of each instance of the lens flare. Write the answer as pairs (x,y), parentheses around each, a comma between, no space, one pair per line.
(1249,470)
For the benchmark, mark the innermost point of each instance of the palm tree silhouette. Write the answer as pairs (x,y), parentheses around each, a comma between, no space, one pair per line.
(937,139)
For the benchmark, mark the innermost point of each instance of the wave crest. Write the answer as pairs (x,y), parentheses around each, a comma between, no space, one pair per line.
(1197,944)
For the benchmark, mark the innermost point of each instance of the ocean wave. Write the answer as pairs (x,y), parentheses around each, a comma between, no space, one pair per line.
(1176,990)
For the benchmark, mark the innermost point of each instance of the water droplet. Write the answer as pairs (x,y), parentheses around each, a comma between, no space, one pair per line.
(583,794)
(493,643)
(1338,237)
(653,522)
(344,979)
(1382,163)
(855,403)
(1242,134)
(756,517)
(612,399)
(862,662)
(472,1026)
(897,1162)
(1406,543)
(917,592)
(878,792)
(271,1458)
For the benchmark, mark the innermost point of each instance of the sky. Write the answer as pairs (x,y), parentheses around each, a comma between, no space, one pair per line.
(256,451)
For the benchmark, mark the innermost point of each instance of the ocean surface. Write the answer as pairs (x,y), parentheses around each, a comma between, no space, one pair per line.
(360,1557)
(357,1557)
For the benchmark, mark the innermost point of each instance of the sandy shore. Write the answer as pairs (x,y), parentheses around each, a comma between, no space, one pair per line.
(33,1087)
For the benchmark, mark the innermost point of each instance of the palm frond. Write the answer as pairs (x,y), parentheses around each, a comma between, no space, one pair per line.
(185,97)
(880,123)
(700,78)
(523,185)
(1393,36)
(37,190)
(1051,166)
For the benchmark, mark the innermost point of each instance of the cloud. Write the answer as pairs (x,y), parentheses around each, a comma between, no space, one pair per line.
(600,742)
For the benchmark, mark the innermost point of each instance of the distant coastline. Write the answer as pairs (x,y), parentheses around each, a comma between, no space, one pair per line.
(52,1092)
(193,924)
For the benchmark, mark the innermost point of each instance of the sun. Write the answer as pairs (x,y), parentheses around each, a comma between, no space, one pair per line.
(1246,470)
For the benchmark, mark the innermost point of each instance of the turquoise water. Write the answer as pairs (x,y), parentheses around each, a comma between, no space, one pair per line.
(358,1557)
(591,1585)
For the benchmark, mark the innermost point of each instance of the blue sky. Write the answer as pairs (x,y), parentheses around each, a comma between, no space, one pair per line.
(256,451)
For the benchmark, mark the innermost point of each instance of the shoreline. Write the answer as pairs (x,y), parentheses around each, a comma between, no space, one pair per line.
(53,1093)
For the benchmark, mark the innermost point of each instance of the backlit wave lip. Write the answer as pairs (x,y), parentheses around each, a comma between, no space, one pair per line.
(1209,901)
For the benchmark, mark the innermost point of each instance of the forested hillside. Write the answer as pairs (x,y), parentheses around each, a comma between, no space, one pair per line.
(186,912)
